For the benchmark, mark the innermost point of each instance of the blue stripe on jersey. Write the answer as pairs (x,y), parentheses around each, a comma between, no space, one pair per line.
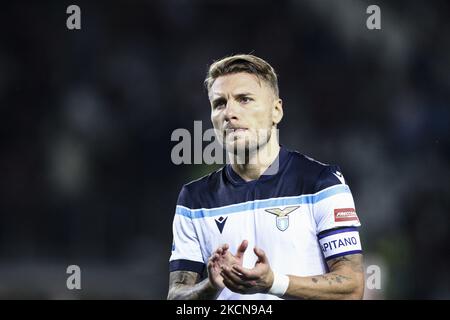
(262,204)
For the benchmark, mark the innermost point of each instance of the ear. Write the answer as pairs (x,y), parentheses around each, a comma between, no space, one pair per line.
(277,111)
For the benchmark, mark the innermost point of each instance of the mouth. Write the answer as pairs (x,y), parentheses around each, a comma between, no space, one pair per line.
(235,130)
(238,129)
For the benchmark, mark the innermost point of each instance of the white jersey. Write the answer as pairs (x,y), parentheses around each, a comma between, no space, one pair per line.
(301,216)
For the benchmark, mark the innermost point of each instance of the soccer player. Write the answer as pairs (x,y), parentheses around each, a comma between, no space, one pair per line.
(297,214)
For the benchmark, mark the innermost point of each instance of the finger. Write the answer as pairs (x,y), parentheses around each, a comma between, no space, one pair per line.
(211,264)
(212,261)
(233,286)
(243,246)
(261,255)
(228,273)
(222,248)
(215,257)
(239,279)
(246,274)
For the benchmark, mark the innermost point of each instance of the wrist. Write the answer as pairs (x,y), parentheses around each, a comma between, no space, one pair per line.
(214,287)
(280,284)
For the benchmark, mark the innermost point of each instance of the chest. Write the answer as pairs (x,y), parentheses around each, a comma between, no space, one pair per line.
(273,228)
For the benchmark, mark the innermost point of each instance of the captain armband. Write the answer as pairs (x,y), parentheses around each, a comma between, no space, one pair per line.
(340,242)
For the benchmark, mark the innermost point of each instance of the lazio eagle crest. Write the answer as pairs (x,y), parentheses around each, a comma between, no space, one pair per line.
(282,219)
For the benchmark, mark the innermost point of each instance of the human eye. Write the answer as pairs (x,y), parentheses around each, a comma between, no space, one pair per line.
(245,99)
(219,103)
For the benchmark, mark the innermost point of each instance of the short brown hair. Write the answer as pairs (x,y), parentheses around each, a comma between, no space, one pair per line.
(242,63)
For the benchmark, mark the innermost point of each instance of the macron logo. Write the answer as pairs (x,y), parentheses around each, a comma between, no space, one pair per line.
(221,223)
(339,175)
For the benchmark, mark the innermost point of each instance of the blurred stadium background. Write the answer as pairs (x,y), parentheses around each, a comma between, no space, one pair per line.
(86,119)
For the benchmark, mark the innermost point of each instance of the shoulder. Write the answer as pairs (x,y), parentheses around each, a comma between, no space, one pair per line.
(201,186)
(316,174)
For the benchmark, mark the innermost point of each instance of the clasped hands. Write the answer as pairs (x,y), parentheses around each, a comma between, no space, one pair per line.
(226,270)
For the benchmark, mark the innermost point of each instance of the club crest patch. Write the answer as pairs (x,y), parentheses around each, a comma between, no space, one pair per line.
(282,216)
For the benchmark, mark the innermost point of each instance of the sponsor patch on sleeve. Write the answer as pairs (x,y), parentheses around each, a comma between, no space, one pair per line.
(345,214)
(340,242)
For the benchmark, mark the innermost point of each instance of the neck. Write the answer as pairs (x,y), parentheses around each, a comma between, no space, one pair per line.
(258,161)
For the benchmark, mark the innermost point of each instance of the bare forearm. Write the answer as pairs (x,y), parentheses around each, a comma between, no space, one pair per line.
(200,291)
(330,286)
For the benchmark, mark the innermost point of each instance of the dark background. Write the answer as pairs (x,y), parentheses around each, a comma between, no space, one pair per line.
(86,176)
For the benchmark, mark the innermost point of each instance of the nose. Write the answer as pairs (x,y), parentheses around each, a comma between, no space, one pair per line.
(230,111)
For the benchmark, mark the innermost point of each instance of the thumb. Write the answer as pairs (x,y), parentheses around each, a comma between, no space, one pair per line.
(262,258)
(243,246)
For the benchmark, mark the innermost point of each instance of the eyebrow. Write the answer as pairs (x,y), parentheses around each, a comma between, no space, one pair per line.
(217,100)
(243,94)
(221,98)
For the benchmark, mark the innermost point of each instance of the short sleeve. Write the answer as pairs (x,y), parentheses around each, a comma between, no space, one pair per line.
(333,206)
(186,253)
(335,215)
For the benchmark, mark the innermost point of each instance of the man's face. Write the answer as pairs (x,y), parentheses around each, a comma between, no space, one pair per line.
(243,111)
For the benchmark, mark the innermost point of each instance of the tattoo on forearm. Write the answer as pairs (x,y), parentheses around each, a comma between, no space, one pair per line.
(184,278)
(183,286)
(331,278)
(336,275)
(354,261)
